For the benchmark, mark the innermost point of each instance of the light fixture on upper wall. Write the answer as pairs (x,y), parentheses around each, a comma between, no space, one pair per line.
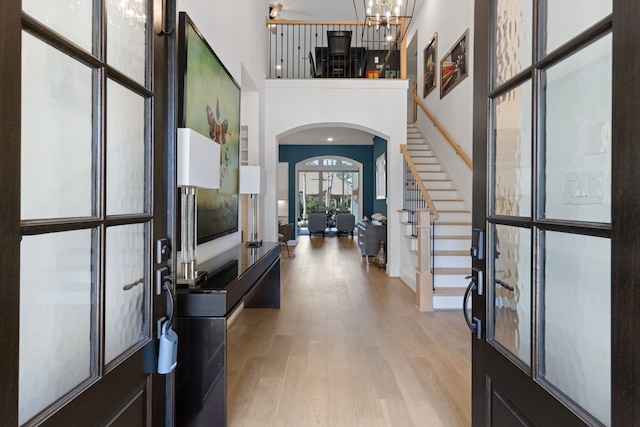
(274,10)
(273,13)
(383,13)
(198,167)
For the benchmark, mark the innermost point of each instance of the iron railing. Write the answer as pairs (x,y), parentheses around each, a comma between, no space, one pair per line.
(298,50)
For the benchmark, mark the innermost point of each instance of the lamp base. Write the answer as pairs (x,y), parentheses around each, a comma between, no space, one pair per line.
(255,244)
(200,278)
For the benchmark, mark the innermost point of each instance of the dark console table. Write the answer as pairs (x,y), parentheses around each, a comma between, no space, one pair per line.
(249,275)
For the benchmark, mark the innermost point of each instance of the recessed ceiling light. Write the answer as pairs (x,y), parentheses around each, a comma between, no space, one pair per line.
(329,139)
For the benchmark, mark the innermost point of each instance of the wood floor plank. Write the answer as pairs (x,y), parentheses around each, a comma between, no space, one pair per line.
(346,348)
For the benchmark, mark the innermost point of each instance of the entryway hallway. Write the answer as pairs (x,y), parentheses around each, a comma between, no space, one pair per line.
(347,348)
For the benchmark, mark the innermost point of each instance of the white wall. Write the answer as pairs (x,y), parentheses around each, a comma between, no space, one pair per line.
(236,32)
(377,106)
(450,19)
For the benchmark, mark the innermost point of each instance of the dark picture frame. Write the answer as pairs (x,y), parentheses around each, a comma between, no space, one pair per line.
(209,103)
(453,66)
(430,66)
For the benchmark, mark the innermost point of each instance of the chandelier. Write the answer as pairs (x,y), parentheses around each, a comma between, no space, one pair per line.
(383,13)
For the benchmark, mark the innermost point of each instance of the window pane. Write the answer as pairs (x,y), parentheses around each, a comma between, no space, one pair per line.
(71,18)
(577,126)
(577,319)
(512,133)
(126,39)
(512,38)
(512,290)
(126,166)
(56,306)
(568,18)
(126,289)
(56,133)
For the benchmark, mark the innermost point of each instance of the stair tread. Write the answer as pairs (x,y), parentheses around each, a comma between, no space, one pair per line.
(451,252)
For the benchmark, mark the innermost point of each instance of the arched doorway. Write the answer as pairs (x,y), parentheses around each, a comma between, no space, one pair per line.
(329,184)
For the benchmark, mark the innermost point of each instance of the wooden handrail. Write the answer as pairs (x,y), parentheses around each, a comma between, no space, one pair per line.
(442,130)
(434,212)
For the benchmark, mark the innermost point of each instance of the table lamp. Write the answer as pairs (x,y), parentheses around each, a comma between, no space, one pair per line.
(198,167)
(252,182)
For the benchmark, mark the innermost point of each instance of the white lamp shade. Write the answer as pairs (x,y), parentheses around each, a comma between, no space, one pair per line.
(252,180)
(198,160)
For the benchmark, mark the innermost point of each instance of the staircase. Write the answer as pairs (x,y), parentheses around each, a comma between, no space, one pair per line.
(451,233)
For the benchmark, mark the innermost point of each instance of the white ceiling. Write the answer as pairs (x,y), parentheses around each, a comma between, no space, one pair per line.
(328,10)
(319,135)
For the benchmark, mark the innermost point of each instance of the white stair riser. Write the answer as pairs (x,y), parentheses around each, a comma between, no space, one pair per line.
(451,280)
(424,172)
(451,244)
(444,194)
(453,216)
(452,261)
(454,229)
(423,160)
(437,185)
(449,205)
(426,176)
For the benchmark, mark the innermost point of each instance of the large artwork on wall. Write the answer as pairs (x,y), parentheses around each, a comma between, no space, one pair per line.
(209,103)
(430,66)
(453,66)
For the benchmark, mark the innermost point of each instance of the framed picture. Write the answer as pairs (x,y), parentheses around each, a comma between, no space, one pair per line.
(430,64)
(209,103)
(381,176)
(453,66)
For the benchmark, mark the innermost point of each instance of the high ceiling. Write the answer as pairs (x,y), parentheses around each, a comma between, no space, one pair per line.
(329,10)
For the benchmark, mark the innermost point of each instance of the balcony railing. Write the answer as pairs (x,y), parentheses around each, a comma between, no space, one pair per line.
(303,49)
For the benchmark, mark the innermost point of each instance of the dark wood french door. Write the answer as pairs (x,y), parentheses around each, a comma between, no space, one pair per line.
(86,176)
(556,128)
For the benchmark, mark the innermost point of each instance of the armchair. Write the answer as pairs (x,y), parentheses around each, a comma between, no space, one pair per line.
(284,234)
(345,223)
(317,222)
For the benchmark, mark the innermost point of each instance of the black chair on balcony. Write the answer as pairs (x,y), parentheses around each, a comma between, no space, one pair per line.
(339,57)
(312,67)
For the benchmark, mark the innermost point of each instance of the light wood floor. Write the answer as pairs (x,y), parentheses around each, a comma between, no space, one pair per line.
(346,348)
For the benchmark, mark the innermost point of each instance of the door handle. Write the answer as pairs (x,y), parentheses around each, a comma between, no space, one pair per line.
(475,324)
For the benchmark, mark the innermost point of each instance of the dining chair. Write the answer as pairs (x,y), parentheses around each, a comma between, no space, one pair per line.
(339,61)
(284,234)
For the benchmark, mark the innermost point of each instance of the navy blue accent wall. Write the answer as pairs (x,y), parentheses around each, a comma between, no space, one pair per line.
(361,153)
(379,147)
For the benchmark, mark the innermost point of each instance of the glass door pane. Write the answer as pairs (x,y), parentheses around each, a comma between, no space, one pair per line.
(57,156)
(126,289)
(512,38)
(57,325)
(511,313)
(577,131)
(567,18)
(576,320)
(126,37)
(512,153)
(70,18)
